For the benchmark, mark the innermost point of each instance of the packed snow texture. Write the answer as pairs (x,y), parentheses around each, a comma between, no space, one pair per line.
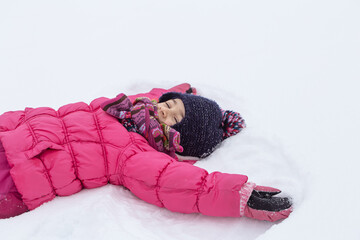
(291,68)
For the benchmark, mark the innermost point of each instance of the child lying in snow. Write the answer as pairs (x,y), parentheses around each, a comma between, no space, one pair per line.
(79,146)
(156,122)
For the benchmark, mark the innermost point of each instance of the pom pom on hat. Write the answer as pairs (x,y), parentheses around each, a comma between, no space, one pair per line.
(232,123)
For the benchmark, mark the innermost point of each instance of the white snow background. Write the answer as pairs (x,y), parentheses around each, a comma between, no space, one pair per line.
(291,68)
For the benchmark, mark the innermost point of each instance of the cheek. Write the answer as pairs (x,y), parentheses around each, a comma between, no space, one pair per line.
(163,120)
(168,122)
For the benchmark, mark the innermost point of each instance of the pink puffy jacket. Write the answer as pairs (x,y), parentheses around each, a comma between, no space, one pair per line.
(58,153)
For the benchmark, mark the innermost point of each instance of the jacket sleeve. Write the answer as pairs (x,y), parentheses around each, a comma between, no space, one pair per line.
(156,93)
(180,187)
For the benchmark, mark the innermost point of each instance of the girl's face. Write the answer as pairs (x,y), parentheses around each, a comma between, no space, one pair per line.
(171,111)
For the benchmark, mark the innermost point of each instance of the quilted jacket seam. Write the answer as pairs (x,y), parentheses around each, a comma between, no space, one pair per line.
(81,141)
(162,187)
(106,164)
(36,141)
(46,171)
(120,166)
(42,196)
(200,190)
(157,185)
(67,142)
(57,115)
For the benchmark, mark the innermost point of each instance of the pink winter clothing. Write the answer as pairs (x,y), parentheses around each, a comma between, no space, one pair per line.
(58,153)
(7,185)
(11,203)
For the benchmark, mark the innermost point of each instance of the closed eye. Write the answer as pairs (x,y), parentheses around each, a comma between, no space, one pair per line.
(167,105)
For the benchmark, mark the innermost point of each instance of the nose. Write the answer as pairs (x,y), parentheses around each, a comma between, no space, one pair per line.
(164,111)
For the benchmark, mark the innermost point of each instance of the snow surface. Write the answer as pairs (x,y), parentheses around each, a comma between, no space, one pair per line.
(291,68)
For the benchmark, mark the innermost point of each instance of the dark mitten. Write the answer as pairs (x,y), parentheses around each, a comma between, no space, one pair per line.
(183,88)
(264,205)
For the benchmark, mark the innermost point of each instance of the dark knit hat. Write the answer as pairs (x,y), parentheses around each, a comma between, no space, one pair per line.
(201,128)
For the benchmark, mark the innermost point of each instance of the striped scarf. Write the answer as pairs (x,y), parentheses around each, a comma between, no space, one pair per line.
(142,117)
